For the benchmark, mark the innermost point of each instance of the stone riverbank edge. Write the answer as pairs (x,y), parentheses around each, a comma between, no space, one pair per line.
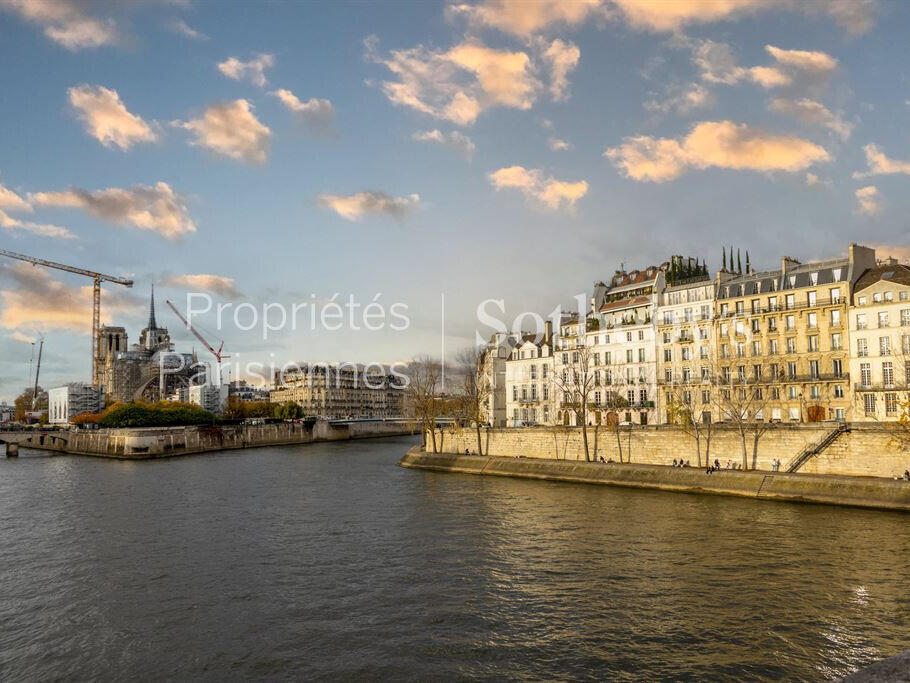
(862,492)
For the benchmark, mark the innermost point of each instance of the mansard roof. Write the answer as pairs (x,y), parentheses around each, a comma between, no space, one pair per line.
(894,272)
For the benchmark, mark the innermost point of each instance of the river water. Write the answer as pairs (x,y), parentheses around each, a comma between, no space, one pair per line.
(328,561)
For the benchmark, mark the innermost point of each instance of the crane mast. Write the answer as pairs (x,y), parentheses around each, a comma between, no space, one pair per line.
(97,279)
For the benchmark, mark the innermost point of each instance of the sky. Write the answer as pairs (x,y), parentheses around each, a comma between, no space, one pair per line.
(428,155)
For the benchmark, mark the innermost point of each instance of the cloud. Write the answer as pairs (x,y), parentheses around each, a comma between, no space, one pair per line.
(870,200)
(523,18)
(66,22)
(353,207)
(812,112)
(682,100)
(558,145)
(549,192)
(459,142)
(107,119)
(253,70)
(38,301)
(22,337)
(457,84)
(179,26)
(7,222)
(818,62)
(10,201)
(317,114)
(879,164)
(719,144)
(231,129)
(855,16)
(156,208)
(216,284)
(562,58)
(717,64)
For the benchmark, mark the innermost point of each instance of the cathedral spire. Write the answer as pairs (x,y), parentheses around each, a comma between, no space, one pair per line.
(152,325)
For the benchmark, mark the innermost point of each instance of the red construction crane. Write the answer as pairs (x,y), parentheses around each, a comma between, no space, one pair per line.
(218,355)
(96,296)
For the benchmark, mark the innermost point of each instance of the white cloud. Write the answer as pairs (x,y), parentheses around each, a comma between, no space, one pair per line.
(818,62)
(869,200)
(558,145)
(252,70)
(353,207)
(22,337)
(317,114)
(682,100)
(107,119)
(812,112)
(181,27)
(549,192)
(562,58)
(38,301)
(231,129)
(67,22)
(879,164)
(205,282)
(856,16)
(719,144)
(527,17)
(460,83)
(717,64)
(7,222)
(156,208)
(11,201)
(455,140)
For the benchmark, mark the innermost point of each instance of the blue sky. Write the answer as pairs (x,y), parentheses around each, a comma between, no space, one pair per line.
(558,141)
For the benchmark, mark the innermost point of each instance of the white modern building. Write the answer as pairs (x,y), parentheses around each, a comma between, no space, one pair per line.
(67,401)
(209,397)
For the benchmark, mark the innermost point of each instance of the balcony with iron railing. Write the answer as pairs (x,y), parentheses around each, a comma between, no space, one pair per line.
(881,386)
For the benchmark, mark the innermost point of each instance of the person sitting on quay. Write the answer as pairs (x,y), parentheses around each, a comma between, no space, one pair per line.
(906,475)
(675,463)
(716,464)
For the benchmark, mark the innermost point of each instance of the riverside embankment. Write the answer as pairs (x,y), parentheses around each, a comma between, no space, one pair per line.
(163,442)
(866,492)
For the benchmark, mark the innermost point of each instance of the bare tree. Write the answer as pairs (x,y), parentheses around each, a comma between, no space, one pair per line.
(685,407)
(575,381)
(424,402)
(741,400)
(476,387)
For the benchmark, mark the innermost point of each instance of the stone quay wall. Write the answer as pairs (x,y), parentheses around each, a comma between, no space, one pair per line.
(861,450)
(161,442)
(865,492)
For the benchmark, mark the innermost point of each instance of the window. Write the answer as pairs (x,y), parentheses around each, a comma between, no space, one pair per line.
(835,341)
(686,352)
(790,321)
(546,393)
(641,355)
(884,346)
(668,355)
(756,348)
(814,392)
(813,369)
(861,321)
(889,296)
(869,404)
(740,327)
(607,357)
(702,333)
(862,348)
(724,329)
(641,335)
(668,317)
(891,403)
(514,393)
(666,337)
(756,371)
(741,373)
(724,351)
(877,297)
(775,396)
(838,391)
(772,302)
(905,315)
(740,349)
(792,392)
(575,356)
(861,301)
(835,317)
(883,319)
(703,352)
(791,369)
(756,325)
(813,321)
(687,375)
(902,296)
(811,296)
(888,374)
(756,305)
(835,295)
(628,355)
(772,324)
(791,344)
(740,307)
(773,347)
(705,397)
(791,301)
(628,336)
(837,367)
(543,371)
(865,374)
(813,342)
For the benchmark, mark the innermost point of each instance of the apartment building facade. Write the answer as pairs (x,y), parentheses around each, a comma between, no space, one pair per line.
(529,381)
(785,331)
(880,342)
(340,391)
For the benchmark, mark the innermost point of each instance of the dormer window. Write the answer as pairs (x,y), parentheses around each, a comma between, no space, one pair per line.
(813,278)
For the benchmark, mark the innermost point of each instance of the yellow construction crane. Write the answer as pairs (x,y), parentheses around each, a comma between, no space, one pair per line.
(97,278)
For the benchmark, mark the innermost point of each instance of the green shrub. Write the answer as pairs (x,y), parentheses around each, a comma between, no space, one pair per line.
(161,414)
